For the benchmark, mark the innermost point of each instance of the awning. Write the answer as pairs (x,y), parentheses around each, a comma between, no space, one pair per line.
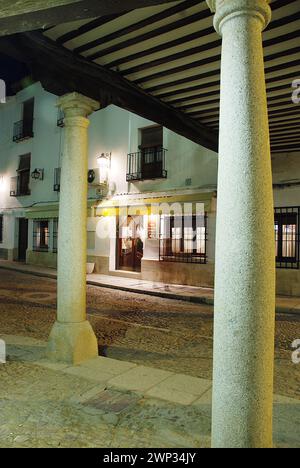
(52,211)
(42,212)
(153,205)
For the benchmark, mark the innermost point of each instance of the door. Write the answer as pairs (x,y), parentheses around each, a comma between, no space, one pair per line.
(152,152)
(130,244)
(23,239)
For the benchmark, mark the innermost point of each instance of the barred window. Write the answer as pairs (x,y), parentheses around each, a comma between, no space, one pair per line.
(55,234)
(41,235)
(287,237)
(183,239)
(1,229)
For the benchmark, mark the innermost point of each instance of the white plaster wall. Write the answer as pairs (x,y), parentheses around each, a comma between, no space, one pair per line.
(111,130)
(286,169)
(117,131)
(45,149)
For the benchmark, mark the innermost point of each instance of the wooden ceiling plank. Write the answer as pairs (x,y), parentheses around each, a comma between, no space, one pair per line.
(209,60)
(151,34)
(206,94)
(163,46)
(96,23)
(203,48)
(183,6)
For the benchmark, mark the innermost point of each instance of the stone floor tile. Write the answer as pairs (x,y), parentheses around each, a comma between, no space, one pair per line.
(108,366)
(181,389)
(188,384)
(139,379)
(86,373)
(166,393)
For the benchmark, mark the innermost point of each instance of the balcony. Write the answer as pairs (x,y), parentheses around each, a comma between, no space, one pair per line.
(22,131)
(147,164)
(19,187)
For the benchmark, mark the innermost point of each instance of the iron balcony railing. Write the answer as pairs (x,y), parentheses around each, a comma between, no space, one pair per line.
(22,131)
(149,163)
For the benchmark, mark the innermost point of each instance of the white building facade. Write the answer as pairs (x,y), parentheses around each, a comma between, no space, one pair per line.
(151,202)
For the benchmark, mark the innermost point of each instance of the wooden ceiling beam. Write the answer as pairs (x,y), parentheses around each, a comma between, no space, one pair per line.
(202,48)
(61,71)
(28,15)
(185,21)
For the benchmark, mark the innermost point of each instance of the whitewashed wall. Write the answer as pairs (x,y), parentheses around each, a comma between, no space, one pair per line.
(286,170)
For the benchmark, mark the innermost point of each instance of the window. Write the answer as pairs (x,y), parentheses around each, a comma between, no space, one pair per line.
(149,162)
(1,229)
(55,234)
(23,175)
(24,128)
(41,235)
(287,237)
(183,239)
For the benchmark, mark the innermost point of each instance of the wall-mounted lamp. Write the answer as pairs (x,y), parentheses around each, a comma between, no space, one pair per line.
(38,174)
(104,162)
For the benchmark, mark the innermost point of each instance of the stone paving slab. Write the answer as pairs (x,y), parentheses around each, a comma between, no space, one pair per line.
(108,366)
(140,379)
(163,392)
(193,294)
(181,389)
(89,374)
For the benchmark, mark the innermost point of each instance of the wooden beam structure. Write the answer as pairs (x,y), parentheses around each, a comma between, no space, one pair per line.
(28,15)
(161,62)
(60,71)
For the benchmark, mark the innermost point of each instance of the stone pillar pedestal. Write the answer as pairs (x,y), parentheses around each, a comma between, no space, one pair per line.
(245,246)
(72,339)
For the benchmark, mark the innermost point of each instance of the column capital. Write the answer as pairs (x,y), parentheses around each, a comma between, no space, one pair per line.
(228,9)
(77,105)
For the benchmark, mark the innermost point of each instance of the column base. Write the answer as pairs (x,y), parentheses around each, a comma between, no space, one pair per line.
(72,343)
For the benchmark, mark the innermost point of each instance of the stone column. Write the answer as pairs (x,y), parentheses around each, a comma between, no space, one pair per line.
(245,246)
(72,339)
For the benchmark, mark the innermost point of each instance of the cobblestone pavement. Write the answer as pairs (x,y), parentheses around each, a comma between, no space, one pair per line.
(42,407)
(52,405)
(162,333)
